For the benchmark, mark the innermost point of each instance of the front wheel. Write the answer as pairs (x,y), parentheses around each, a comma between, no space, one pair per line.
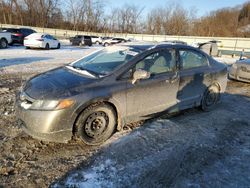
(210,98)
(96,124)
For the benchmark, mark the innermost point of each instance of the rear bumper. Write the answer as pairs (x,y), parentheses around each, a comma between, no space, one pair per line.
(16,39)
(37,45)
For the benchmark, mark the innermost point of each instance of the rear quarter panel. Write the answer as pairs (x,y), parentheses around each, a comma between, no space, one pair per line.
(219,74)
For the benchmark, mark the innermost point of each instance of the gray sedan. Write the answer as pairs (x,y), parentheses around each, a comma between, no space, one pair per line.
(92,98)
(240,70)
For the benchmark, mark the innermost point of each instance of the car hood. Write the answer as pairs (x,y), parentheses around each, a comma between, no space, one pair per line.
(244,62)
(57,83)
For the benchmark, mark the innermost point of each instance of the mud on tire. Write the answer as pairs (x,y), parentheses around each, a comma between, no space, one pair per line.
(210,98)
(96,124)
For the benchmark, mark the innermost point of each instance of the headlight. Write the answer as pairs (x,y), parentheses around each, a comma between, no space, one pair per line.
(51,105)
(44,105)
(234,66)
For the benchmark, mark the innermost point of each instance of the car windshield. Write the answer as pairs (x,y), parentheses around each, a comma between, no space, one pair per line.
(107,60)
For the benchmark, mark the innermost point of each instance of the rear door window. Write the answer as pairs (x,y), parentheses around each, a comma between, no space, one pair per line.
(192,59)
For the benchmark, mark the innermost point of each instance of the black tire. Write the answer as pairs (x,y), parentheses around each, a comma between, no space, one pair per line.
(47,47)
(27,47)
(106,44)
(97,42)
(210,98)
(58,46)
(3,43)
(96,124)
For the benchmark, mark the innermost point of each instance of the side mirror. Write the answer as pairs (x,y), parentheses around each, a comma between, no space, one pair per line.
(140,75)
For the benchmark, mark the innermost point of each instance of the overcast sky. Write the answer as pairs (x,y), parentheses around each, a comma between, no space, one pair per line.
(202,6)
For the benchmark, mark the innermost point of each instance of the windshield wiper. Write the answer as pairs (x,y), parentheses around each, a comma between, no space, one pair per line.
(89,71)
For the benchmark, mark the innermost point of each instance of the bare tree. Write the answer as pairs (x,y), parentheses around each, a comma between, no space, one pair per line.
(125,19)
(171,20)
(89,15)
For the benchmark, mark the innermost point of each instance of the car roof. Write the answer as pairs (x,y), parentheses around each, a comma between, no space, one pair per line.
(12,29)
(147,45)
(25,28)
(37,34)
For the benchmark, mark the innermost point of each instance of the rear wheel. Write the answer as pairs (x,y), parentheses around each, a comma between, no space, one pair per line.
(58,46)
(3,43)
(27,47)
(96,124)
(106,44)
(210,98)
(47,46)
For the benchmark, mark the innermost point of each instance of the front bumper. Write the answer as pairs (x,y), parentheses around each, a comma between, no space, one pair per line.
(238,74)
(54,126)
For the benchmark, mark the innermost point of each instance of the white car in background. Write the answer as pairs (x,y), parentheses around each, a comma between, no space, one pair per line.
(96,40)
(111,41)
(5,39)
(41,40)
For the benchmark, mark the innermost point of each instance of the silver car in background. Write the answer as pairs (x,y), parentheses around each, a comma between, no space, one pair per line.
(240,70)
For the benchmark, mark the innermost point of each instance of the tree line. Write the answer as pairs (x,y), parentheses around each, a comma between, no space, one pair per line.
(94,16)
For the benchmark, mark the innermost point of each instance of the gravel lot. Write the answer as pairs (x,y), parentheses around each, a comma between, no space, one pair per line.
(190,149)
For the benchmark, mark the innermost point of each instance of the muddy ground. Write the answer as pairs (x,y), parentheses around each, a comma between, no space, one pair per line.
(212,137)
(189,149)
(193,149)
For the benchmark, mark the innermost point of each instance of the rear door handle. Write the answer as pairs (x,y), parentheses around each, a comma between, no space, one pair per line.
(172,79)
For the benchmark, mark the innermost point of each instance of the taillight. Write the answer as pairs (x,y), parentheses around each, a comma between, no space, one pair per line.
(18,34)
